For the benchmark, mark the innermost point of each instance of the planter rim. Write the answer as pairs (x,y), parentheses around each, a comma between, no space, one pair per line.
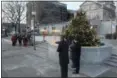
(96,46)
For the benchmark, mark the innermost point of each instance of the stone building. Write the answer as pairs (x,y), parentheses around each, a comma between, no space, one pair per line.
(116,10)
(46,12)
(99,12)
(116,15)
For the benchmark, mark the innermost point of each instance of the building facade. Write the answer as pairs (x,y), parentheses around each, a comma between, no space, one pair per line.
(53,28)
(116,11)
(46,12)
(98,12)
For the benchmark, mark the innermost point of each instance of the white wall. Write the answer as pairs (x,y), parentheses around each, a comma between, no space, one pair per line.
(103,28)
(95,14)
(106,27)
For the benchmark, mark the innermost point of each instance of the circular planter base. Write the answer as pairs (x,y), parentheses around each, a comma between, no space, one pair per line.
(95,55)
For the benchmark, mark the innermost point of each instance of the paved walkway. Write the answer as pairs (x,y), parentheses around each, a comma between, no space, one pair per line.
(113,43)
(25,62)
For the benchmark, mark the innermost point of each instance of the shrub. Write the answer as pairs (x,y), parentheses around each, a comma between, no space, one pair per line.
(80,29)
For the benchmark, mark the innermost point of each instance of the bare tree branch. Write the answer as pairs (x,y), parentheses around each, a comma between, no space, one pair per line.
(14,11)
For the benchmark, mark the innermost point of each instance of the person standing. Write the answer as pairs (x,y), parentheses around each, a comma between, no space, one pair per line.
(43,35)
(14,40)
(20,39)
(75,48)
(63,57)
(6,34)
(29,38)
(25,40)
(31,41)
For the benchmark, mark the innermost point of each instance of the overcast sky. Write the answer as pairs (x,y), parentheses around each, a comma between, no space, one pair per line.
(73,5)
(76,5)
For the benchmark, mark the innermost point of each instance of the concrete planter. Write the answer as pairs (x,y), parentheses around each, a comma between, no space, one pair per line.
(95,55)
(89,55)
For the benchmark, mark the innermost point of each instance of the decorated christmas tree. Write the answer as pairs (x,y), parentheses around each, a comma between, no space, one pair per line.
(81,30)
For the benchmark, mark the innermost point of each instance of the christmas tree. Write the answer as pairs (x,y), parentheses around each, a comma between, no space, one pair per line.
(80,29)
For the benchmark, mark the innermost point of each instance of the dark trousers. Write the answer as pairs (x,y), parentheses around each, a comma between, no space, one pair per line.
(78,68)
(20,42)
(64,71)
(25,43)
(76,64)
(13,43)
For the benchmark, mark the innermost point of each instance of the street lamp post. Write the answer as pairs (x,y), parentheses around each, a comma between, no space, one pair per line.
(111,31)
(33,27)
(111,24)
(38,27)
(116,23)
(33,19)
(19,28)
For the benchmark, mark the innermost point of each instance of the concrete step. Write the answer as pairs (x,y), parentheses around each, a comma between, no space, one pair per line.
(112,60)
(110,63)
(114,50)
(113,56)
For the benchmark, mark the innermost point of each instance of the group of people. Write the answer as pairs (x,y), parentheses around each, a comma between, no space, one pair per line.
(75,51)
(21,38)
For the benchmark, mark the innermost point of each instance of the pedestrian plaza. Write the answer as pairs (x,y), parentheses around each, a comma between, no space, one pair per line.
(22,61)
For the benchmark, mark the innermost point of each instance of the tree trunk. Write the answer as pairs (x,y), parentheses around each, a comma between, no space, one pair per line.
(15,28)
(116,32)
(19,28)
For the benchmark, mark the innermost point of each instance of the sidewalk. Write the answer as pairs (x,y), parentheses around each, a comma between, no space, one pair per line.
(113,43)
(43,62)
(29,63)
(86,70)
(90,70)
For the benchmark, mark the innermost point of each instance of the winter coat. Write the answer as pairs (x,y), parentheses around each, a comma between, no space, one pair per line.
(19,37)
(75,50)
(63,52)
(13,38)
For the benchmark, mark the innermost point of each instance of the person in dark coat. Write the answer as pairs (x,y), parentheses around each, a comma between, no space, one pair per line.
(29,38)
(6,33)
(25,40)
(75,48)
(63,57)
(20,39)
(14,39)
